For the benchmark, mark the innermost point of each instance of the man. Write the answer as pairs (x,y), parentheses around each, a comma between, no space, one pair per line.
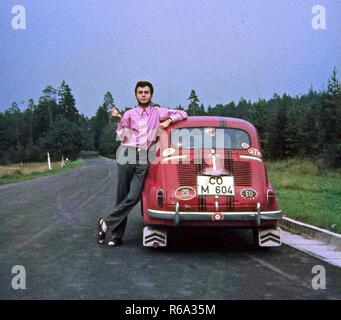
(136,130)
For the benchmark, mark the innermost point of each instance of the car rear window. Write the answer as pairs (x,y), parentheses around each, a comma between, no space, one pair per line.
(210,138)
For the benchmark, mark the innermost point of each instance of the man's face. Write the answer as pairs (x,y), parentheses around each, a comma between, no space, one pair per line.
(143,96)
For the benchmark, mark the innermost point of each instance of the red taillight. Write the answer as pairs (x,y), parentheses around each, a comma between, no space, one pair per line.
(270,197)
(160,198)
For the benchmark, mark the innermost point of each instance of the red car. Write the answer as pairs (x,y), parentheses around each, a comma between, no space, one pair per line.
(209,173)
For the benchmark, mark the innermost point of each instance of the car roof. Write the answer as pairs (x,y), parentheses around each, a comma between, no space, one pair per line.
(227,122)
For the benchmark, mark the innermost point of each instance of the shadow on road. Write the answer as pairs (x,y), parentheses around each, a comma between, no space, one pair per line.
(209,240)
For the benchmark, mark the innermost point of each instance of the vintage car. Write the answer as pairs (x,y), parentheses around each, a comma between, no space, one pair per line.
(209,172)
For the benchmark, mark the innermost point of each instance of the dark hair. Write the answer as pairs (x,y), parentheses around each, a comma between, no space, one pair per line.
(144,84)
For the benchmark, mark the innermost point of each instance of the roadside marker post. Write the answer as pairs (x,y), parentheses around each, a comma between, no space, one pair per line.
(48,160)
(62,164)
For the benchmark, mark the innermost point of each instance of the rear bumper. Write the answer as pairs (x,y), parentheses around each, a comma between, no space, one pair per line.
(177,216)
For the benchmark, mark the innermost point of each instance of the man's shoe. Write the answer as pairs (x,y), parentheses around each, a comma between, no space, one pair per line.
(114,242)
(101,233)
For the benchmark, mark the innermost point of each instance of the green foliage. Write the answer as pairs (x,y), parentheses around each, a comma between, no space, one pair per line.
(108,103)
(53,124)
(102,119)
(193,107)
(334,85)
(67,104)
(108,144)
(333,155)
(64,139)
(308,125)
(308,191)
(87,133)
(305,125)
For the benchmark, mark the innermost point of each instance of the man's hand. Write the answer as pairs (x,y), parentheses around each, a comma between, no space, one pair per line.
(115,114)
(165,124)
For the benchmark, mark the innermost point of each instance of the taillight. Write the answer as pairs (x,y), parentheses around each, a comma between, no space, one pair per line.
(270,197)
(160,198)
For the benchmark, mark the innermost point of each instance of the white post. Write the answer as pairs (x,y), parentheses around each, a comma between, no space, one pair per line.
(62,164)
(48,160)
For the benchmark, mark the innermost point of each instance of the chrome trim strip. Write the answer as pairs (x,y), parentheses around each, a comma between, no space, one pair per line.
(259,214)
(207,216)
(250,158)
(177,214)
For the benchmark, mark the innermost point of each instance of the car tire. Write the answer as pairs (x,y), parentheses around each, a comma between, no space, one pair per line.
(255,235)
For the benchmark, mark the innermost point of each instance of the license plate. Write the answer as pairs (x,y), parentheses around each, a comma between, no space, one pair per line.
(215,186)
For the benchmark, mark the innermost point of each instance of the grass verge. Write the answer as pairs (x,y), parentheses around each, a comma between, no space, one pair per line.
(27,171)
(307,192)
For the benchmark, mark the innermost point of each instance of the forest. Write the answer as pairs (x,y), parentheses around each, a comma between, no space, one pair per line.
(303,126)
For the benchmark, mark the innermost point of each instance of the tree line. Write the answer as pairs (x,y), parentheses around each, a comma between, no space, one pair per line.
(305,125)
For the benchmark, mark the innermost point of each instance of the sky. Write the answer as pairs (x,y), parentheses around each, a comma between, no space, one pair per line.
(224,49)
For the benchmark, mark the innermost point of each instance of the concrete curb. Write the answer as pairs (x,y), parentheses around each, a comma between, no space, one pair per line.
(311,232)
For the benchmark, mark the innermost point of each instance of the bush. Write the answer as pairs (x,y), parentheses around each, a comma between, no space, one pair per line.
(301,166)
(108,143)
(64,139)
(333,156)
(34,153)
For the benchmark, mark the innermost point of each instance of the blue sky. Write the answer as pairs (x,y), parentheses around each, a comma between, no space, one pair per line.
(224,49)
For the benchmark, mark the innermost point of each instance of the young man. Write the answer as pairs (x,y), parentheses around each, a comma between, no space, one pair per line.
(136,131)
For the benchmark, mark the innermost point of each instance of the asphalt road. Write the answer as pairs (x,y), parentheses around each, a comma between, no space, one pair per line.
(48,225)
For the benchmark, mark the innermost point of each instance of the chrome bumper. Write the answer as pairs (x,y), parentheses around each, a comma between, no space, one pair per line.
(177,216)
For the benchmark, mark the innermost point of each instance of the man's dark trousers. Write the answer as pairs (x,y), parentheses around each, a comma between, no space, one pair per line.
(130,183)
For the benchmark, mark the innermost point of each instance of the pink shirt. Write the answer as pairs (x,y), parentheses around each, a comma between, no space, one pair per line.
(138,127)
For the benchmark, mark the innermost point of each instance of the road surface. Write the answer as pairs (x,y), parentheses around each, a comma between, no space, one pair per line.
(48,225)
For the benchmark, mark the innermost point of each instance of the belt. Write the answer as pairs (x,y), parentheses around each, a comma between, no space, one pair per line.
(138,149)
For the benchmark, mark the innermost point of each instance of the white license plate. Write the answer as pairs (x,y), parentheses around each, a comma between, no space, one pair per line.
(215,186)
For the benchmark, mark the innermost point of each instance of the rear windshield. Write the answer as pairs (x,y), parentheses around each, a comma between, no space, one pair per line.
(209,138)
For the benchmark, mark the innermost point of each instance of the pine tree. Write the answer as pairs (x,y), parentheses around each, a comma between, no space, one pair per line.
(67,104)
(277,139)
(4,141)
(228,110)
(259,119)
(64,139)
(108,103)
(334,85)
(15,115)
(102,118)
(45,111)
(202,111)
(30,110)
(49,99)
(87,133)
(108,144)
(193,107)
(330,121)
(293,131)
